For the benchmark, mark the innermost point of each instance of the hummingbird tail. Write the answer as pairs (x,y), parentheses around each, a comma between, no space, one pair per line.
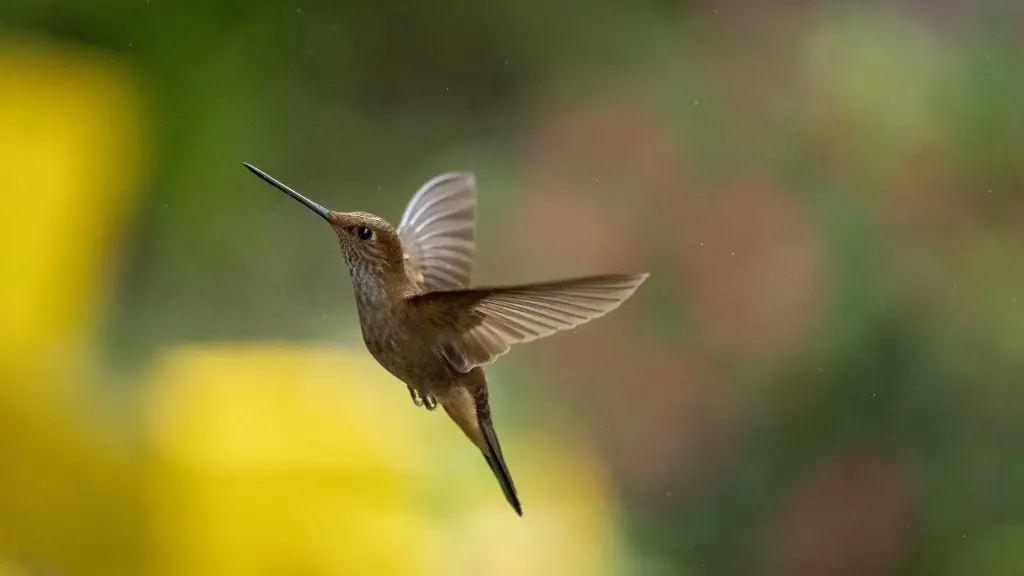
(497,462)
(466,404)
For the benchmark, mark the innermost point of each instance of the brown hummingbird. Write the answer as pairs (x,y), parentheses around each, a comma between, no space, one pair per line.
(422,322)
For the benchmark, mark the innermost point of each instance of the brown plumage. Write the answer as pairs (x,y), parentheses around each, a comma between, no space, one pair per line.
(423,324)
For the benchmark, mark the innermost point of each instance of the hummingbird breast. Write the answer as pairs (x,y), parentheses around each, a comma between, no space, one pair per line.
(392,338)
(407,357)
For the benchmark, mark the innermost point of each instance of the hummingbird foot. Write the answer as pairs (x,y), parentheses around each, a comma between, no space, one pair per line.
(416,399)
(429,402)
(423,400)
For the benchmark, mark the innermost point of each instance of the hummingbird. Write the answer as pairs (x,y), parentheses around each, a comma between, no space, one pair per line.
(423,323)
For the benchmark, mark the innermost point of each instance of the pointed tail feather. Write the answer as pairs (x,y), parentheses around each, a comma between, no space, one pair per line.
(497,463)
(466,404)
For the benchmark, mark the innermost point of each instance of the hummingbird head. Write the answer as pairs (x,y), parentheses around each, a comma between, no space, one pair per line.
(370,243)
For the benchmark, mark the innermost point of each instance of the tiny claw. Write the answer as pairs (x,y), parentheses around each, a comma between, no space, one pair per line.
(415,397)
(430,403)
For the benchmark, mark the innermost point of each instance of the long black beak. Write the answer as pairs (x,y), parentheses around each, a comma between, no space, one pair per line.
(323,212)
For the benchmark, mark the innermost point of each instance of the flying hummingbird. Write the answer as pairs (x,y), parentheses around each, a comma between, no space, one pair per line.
(422,322)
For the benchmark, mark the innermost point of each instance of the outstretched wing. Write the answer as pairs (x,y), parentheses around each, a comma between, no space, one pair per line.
(436,231)
(479,325)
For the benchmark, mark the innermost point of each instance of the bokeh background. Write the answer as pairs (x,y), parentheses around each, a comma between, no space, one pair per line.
(823,375)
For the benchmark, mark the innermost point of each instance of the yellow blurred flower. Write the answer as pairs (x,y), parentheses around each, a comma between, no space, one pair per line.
(281,459)
(69,151)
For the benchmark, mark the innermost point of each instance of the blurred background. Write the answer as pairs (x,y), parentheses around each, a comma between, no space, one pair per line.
(822,375)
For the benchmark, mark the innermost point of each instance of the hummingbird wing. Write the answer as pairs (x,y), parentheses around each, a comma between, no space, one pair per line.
(478,325)
(436,231)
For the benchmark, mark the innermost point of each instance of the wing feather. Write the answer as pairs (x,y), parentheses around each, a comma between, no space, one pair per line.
(436,231)
(479,325)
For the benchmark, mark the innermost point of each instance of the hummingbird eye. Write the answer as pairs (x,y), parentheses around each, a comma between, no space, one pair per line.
(364,233)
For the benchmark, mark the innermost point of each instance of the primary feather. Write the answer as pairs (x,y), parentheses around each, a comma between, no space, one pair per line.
(478,325)
(436,232)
